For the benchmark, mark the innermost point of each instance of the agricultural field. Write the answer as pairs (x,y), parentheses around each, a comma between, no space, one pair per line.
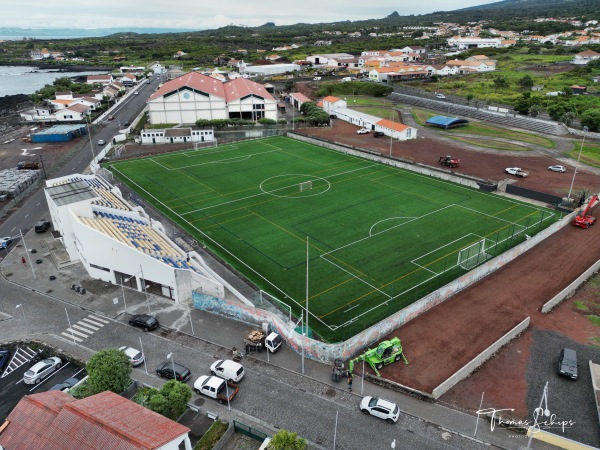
(372,238)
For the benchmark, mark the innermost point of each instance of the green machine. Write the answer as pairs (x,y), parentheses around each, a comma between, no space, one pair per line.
(386,353)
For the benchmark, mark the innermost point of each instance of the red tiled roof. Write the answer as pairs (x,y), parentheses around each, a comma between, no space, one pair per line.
(301,97)
(241,87)
(99,77)
(104,421)
(192,80)
(31,418)
(78,107)
(331,99)
(392,125)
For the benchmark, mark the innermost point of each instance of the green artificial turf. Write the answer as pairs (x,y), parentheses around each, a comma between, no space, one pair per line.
(379,238)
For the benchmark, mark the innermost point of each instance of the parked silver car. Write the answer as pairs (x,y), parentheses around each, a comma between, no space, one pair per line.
(41,370)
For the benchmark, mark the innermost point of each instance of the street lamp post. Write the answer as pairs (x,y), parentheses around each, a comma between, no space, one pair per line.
(585,130)
(123,290)
(90,136)
(145,289)
(538,412)
(170,356)
(20,305)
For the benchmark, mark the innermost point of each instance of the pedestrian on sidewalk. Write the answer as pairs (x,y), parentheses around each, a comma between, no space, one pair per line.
(23,259)
(350,382)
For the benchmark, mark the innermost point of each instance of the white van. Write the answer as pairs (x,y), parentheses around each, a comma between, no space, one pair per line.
(346,79)
(228,370)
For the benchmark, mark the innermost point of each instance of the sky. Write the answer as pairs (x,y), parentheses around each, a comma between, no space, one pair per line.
(203,14)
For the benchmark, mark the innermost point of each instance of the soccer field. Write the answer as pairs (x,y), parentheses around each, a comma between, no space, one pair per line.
(376,238)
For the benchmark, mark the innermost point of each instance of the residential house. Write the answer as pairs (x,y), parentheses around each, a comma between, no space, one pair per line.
(73,113)
(105,79)
(272,57)
(329,59)
(129,79)
(389,128)
(297,100)
(585,57)
(54,420)
(330,103)
(179,54)
(466,67)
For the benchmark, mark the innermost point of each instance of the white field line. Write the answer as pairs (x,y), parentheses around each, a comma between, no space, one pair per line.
(358,278)
(159,164)
(414,261)
(266,193)
(385,231)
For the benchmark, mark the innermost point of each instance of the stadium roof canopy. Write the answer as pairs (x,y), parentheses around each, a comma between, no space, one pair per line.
(446,122)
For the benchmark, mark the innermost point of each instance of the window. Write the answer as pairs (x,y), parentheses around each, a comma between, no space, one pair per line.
(99,267)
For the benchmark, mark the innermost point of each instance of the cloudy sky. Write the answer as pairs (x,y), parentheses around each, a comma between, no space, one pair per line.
(203,14)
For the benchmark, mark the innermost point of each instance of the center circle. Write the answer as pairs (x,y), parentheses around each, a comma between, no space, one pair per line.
(302,178)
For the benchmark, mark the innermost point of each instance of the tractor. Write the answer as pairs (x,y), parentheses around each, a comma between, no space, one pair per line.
(584,220)
(449,161)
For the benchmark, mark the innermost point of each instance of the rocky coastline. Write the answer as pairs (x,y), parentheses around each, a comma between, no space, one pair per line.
(10,105)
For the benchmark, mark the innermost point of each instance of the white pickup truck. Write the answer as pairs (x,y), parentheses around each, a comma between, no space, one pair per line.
(516,171)
(215,387)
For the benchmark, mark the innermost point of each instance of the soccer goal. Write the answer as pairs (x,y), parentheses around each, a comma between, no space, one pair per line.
(473,255)
(305,186)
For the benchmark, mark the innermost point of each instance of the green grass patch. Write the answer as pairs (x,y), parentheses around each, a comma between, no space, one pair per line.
(491,143)
(581,306)
(379,237)
(480,129)
(590,153)
(212,436)
(594,319)
(382,112)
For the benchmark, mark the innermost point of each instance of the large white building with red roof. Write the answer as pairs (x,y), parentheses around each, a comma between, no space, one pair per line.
(54,420)
(194,96)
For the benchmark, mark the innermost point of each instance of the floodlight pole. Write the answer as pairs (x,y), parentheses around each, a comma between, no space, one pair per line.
(307,259)
(585,130)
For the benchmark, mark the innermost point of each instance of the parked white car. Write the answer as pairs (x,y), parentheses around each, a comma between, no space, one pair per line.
(381,408)
(440,95)
(228,370)
(557,168)
(362,131)
(41,370)
(135,356)
(317,79)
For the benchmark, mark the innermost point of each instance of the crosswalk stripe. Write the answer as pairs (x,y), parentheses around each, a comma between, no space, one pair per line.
(88,326)
(83,329)
(71,337)
(92,323)
(77,332)
(99,319)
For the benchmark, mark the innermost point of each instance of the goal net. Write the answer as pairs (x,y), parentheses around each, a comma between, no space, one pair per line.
(473,255)
(305,186)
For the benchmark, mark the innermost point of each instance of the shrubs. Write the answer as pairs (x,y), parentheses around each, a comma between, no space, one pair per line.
(212,436)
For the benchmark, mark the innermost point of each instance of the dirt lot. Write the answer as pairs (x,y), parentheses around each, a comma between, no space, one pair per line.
(481,163)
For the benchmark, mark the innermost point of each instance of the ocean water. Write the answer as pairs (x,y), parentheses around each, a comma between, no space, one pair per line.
(28,79)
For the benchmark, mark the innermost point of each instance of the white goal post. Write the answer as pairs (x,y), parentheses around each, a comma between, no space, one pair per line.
(305,186)
(473,255)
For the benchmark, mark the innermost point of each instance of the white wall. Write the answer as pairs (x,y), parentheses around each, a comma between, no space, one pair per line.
(182,108)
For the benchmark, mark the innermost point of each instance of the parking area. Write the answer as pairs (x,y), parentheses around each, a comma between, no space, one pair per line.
(12,387)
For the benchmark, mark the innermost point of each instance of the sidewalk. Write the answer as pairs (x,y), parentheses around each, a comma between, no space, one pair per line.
(212,332)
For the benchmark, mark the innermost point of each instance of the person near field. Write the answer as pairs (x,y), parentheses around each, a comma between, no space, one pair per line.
(23,260)
(350,382)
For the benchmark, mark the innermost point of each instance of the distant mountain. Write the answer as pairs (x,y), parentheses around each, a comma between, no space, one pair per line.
(541,8)
(70,33)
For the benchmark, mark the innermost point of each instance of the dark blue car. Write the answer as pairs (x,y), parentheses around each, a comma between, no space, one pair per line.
(4,358)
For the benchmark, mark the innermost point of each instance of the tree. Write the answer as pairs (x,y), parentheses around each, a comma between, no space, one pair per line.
(591,119)
(170,401)
(526,82)
(500,82)
(289,85)
(469,97)
(108,370)
(284,440)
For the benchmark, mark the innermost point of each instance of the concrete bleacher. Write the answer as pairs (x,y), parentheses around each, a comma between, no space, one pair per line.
(137,234)
(449,107)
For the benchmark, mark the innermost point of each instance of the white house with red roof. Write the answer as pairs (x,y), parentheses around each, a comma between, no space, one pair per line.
(105,79)
(330,103)
(54,420)
(195,96)
(76,112)
(585,57)
(373,123)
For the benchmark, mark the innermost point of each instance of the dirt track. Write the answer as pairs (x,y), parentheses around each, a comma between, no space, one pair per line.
(445,338)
